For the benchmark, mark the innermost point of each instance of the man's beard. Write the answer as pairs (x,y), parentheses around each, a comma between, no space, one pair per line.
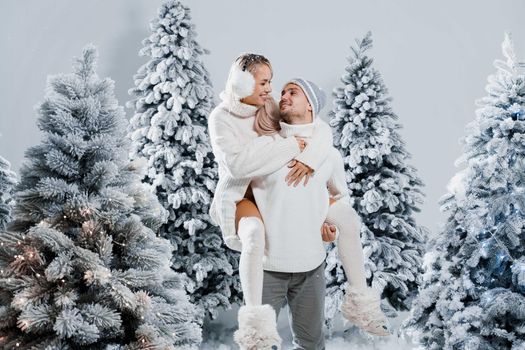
(288,116)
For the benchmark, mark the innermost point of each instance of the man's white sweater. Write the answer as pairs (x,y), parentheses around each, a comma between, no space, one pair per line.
(293,216)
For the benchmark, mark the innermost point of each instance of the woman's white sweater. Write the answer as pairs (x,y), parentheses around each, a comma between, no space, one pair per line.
(242,154)
(293,216)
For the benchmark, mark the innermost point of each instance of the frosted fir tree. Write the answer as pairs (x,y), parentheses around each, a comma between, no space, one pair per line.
(81,266)
(473,291)
(173,100)
(7,181)
(384,189)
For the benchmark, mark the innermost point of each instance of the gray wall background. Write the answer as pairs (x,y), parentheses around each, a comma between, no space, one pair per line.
(434,56)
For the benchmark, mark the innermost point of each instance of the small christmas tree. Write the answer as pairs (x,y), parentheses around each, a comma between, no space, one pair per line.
(473,291)
(81,266)
(385,190)
(173,100)
(7,181)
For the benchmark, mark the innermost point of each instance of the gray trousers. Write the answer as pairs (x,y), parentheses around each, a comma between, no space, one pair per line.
(304,292)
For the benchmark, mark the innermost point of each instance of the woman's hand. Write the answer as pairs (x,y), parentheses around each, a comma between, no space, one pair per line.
(328,232)
(298,172)
(301,142)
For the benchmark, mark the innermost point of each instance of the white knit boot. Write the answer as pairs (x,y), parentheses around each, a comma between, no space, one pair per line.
(257,328)
(363,309)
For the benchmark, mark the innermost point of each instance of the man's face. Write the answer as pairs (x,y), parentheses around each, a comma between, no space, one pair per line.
(294,105)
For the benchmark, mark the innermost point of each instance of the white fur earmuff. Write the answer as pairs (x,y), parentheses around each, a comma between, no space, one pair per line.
(240,83)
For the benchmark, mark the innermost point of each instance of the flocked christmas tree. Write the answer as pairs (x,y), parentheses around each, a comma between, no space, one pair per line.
(173,100)
(473,292)
(81,265)
(7,181)
(384,189)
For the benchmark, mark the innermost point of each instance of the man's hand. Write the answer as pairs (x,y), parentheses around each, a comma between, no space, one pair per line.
(298,172)
(328,232)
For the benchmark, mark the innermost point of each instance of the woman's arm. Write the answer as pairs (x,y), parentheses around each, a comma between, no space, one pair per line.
(318,146)
(261,156)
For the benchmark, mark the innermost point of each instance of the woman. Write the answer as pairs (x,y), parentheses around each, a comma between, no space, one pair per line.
(235,128)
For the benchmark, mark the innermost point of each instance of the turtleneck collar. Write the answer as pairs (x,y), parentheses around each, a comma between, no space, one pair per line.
(236,107)
(301,130)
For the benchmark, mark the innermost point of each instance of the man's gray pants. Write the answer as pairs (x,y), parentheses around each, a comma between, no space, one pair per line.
(304,292)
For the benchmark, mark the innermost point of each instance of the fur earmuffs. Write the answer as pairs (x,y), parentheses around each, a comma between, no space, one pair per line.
(241,83)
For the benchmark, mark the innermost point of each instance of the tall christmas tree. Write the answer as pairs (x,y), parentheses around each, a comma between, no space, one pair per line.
(173,100)
(384,189)
(7,181)
(473,292)
(81,265)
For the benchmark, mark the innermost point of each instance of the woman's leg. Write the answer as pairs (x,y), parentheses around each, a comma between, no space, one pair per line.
(362,305)
(257,323)
(250,229)
(349,245)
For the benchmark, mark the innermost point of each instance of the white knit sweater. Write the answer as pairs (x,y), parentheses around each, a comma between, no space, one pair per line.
(241,155)
(293,215)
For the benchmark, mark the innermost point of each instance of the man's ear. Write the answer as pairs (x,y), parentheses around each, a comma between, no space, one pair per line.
(309,109)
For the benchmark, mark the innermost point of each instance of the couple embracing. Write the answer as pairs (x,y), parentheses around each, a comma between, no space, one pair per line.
(282,193)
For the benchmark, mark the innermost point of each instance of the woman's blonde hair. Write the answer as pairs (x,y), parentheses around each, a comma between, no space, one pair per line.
(267,118)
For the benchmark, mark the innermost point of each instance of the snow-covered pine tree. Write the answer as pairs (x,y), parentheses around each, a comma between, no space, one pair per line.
(81,265)
(384,189)
(7,182)
(473,290)
(173,98)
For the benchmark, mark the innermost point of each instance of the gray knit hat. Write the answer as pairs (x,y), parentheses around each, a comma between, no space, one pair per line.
(316,97)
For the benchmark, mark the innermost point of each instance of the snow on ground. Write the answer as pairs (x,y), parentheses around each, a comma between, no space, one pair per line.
(218,335)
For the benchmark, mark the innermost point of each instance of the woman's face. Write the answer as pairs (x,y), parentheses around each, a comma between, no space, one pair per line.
(263,79)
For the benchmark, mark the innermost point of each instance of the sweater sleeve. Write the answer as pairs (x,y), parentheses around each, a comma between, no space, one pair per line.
(261,156)
(337,186)
(318,147)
